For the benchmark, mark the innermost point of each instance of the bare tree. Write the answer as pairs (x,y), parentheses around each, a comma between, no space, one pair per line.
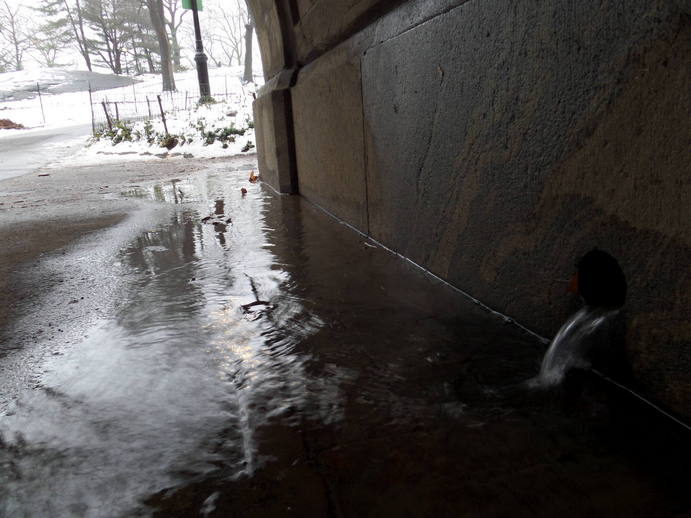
(174,16)
(248,75)
(53,35)
(223,27)
(228,31)
(158,22)
(47,49)
(5,59)
(14,34)
(109,23)
(77,24)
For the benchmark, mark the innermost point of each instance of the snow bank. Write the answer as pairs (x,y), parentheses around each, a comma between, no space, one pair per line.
(73,106)
(22,84)
(223,128)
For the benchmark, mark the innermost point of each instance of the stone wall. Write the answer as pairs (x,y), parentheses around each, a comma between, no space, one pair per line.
(494,142)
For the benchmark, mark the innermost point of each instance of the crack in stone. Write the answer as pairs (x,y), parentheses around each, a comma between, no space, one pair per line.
(415,25)
(430,138)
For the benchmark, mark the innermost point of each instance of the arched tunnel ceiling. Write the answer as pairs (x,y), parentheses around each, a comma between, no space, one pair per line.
(270,35)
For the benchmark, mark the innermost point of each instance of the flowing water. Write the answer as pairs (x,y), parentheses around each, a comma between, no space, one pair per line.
(197,342)
(246,355)
(570,347)
(149,391)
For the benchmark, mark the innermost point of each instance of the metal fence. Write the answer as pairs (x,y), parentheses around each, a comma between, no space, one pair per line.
(135,102)
(26,96)
(131,105)
(106,112)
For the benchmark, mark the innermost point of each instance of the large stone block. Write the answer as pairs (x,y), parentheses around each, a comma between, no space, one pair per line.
(502,141)
(274,132)
(506,139)
(325,23)
(327,102)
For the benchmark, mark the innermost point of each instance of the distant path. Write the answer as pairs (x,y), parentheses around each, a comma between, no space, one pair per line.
(26,152)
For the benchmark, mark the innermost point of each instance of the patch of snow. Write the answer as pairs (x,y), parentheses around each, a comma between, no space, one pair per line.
(70,104)
(22,84)
(183,123)
(73,107)
(234,110)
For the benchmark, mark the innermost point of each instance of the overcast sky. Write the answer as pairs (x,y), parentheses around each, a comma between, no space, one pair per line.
(72,59)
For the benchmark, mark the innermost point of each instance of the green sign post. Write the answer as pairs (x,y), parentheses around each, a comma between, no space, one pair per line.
(187,4)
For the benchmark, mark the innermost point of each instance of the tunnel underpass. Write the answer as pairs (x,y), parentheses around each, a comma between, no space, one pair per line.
(493,145)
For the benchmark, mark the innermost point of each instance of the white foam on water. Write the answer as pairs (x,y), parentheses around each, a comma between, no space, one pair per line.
(570,345)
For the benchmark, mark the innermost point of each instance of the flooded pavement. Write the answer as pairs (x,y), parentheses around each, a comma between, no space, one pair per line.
(221,354)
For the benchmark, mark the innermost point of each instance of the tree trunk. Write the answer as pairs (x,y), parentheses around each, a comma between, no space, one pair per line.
(175,45)
(81,37)
(18,57)
(135,55)
(158,22)
(110,60)
(248,76)
(149,61)
(117,60)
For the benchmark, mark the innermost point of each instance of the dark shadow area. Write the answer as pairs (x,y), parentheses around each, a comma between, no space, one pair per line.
(432,415)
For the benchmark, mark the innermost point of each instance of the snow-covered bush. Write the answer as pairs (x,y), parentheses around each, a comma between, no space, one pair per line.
(120,132)
(208,122)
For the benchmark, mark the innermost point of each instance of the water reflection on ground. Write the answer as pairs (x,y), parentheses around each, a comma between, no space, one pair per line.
(176,383)
(266,362)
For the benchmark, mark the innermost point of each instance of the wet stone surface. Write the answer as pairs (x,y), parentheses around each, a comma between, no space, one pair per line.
(252,357)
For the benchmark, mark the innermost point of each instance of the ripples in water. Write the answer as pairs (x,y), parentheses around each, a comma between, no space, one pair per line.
(248,329)
(177,382)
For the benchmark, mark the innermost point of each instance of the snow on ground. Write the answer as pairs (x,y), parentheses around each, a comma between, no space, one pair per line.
(23,84)
(60,110)
(71,106)
(64,97)
(224,128)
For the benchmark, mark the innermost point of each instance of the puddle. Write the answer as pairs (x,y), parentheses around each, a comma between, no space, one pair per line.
(249,332)
(179,379)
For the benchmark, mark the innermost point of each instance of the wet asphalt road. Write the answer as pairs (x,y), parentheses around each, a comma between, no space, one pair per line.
(217,354)
(24,152)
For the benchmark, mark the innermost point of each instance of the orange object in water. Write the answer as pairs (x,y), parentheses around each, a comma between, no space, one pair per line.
(573,285)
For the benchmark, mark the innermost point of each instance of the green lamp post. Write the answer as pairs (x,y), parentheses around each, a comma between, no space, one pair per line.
(199,57)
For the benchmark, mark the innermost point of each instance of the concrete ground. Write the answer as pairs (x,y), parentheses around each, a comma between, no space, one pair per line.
(172,346)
